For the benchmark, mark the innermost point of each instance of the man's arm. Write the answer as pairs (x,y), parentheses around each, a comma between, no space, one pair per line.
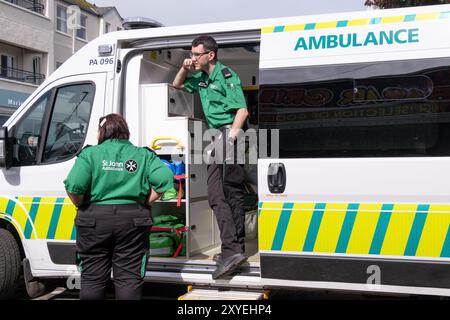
(154,196)
(77,199)
(238,123)
(187,66)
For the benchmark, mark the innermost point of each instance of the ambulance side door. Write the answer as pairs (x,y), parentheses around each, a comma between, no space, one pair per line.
(47,135)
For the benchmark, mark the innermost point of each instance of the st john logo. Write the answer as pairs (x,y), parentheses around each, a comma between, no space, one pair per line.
(131,166)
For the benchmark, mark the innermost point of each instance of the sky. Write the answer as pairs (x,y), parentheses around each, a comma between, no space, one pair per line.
(180,12)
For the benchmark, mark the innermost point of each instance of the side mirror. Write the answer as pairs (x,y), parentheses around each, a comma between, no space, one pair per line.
(5,149)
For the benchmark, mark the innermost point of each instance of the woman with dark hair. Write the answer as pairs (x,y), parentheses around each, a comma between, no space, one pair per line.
(113,184)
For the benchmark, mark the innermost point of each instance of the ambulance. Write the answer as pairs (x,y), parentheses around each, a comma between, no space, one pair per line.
(352,182)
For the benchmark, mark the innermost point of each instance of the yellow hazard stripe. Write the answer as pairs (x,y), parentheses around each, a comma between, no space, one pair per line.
(417,230)
(358,22)
(49,218)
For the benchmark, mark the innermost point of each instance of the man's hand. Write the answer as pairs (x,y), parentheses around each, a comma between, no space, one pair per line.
(188,65)
(234,133)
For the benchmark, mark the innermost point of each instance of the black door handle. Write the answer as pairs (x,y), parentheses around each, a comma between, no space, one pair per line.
(276,177)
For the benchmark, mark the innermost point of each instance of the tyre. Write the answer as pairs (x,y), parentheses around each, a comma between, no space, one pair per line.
(10,265)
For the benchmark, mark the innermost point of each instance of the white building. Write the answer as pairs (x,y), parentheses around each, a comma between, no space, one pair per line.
(36,37)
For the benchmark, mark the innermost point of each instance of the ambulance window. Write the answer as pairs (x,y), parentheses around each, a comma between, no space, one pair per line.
(28,134)
(69,122)
(392,88)
(374,109)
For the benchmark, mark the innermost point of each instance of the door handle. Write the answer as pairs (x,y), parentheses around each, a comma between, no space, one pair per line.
(276,178)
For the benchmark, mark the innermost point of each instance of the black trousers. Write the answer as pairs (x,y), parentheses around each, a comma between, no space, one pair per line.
(112,237)
(226,193)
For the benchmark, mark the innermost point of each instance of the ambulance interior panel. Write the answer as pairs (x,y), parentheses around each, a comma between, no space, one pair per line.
(182,111)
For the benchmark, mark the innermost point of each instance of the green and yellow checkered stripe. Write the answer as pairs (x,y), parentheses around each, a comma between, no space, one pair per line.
(40,217)
(358,22)
(416,230)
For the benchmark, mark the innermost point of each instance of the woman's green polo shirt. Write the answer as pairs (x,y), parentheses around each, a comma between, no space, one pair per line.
(117,172)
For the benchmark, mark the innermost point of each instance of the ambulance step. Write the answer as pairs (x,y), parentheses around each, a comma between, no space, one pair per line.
(217,294)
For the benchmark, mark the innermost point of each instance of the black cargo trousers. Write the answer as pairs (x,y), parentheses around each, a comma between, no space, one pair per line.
(112,237)
(226,194)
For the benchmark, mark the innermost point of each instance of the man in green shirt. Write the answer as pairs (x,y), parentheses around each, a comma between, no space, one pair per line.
(224,106)
(110,184)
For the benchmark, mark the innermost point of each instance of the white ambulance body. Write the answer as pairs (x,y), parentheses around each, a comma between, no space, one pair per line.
(359,195)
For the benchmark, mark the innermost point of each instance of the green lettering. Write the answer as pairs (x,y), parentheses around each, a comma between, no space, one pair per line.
(301,44)
(355,40)
(313,43)
(397,36)
(341,40)
(371,39)
(389,38)
(413,35)
(332,41)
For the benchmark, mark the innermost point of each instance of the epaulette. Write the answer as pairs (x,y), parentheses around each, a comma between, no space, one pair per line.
(226,73)
(149,149)
(85,147)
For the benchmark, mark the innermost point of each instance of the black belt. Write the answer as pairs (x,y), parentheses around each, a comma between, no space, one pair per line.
(111,207)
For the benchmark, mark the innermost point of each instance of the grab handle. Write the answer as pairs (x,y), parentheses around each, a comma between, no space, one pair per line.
(276,178)
(155,146)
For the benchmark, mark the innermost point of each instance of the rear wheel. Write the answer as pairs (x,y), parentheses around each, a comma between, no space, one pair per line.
(10,264)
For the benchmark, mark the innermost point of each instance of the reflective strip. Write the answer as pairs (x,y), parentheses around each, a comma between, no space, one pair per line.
(347,227)
(21,215)
(330,227)
(10,207)
(358,22)
(414,230)
(364,228)
(268,219)
(32,213)
(65,229)
(144,265)
(445,253)
(380,232)
(298,226)
(399,229)
(434,231)
(52,218)
(314,227)
(55,218)
(282,226)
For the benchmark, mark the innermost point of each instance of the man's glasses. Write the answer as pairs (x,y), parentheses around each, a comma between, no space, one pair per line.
(197,55)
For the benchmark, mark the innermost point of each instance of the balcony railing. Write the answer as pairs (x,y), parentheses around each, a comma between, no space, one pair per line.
(21,75)
(33,5)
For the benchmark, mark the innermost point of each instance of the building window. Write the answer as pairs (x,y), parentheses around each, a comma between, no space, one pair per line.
(33,5)
(7,66)
(61,19)
(58,64)
(107,27)
(81,31)
(36,65)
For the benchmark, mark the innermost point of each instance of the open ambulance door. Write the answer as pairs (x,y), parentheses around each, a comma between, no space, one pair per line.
(281,181)
(344,203)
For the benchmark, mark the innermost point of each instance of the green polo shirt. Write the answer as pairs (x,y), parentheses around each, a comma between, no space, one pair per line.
(117,172)
(221,94)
